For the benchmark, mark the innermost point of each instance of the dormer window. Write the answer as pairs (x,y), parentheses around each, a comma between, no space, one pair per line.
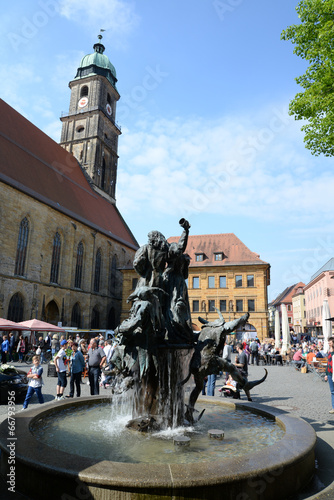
(219,256)
(199,257)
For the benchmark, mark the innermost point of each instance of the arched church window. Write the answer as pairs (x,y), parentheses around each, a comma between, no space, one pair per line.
(84,91)
(97,273)
(78,267)
(55,259)
(21,250)
(15,308)
(95,321)
(76,316)
(112,275)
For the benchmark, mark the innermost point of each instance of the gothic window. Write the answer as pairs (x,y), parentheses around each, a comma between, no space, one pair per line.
(21,250)
(112,276)
(97,273)
(84,91)
(15,308)
(76,316)
(55,259)
(95,322)
(78,267)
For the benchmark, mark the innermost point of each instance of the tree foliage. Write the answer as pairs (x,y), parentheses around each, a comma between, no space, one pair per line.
(314,41)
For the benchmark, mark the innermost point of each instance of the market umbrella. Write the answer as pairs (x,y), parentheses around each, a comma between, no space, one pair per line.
(41,326)
(6,324)
(277,329)
(326,325)
(285,329)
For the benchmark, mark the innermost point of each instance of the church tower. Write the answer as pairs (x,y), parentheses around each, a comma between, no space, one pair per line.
(89,129)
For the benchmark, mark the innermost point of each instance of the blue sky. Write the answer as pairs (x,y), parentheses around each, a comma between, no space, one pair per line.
(205,88)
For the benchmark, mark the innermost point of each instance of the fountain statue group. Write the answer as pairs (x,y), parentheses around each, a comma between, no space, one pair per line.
(158,350)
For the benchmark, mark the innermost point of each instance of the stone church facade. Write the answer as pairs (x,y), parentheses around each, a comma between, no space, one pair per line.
(63,240)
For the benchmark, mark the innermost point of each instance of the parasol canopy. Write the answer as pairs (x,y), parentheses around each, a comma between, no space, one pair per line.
(41,326)
(6,324)
(326,326)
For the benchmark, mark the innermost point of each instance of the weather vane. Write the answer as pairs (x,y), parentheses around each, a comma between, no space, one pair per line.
(100,36)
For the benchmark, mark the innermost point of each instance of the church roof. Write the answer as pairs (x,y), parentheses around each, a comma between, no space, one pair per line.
(233,250)
(97,63)
(36,165)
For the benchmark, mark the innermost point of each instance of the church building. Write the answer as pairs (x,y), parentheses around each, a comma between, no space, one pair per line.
(63,240)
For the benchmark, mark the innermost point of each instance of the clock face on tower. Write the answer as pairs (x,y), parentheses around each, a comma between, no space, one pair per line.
(83,102)
(108,109)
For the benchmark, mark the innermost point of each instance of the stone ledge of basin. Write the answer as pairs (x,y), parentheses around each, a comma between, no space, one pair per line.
(43,457)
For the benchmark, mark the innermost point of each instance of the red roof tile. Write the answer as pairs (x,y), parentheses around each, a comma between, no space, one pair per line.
(36,165)
(234,250)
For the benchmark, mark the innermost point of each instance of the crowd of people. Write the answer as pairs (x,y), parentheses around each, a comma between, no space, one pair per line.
(72,358)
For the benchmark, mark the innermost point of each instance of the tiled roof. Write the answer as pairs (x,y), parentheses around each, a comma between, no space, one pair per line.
(286,296)
(329,266)
(234,250)
(35,164)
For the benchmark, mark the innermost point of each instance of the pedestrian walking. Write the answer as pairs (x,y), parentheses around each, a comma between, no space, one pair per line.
(35,382)
(77,365)
(96,358)
(61,368)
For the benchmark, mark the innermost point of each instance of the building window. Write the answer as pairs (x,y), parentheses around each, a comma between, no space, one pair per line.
(251,305)
(195,306)
(196,282)
(55,259)
(238,281)
(211,281)
(21,250)
(113,275)
(78,267)
(95,321)
(134,283)
(289,320)
(76,316)
(15,308)
(211,305)
(97,273)
(289,307)
(250,280)
(108,99)
(222,281)
(199,257)
(218,256)
(222,305)
(84,91)
(239,305)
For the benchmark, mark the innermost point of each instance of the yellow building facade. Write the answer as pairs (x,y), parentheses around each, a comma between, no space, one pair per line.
(223,274)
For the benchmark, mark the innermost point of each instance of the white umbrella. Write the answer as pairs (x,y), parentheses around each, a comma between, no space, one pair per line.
(277,329)
(285,329)
(326,325)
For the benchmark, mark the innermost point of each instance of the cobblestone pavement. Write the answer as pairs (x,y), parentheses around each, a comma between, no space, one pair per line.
(301,395)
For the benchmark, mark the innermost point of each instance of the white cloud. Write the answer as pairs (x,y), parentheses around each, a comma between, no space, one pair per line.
(116,16)
(237,166)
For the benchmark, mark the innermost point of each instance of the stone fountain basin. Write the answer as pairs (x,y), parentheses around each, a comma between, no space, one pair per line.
(273,473)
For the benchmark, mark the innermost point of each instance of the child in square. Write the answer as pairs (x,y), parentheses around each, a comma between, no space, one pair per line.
(35,382)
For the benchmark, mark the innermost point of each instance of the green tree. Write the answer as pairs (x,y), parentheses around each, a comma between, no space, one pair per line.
(314,42)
